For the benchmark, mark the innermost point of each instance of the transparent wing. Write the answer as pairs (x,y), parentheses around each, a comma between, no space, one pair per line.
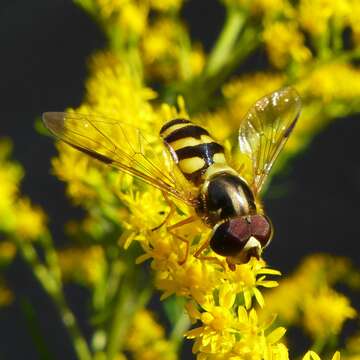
(265,129)
(122,146)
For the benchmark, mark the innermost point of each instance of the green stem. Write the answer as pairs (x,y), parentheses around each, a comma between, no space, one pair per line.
(177,333)
(319,345)
(68,319)
(52,285)
(51,257)
(234,23)
(205,86)
(128,301)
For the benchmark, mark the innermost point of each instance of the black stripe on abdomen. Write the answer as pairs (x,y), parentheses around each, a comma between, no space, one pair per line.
(171,123)
(204,151)
(190,131)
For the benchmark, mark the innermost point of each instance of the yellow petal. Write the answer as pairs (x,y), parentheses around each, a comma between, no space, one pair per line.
(311,355)
(259,297)
(276,335)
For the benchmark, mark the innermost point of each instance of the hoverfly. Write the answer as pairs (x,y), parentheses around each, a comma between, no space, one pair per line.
(221,197)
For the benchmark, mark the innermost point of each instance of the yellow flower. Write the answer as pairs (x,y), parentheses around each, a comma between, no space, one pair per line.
(243,92)
(352,348)
(161,40)
(129,15)
(314,15)
(30,220)
(166,5)
(197,60)
(73,167)
(10,176)
(312,355)
(6,295)
(7,252)
(310,301)
(260,7)
(146,339)
(165,53)
(285,44)
(334,81)
(232,337)
(353,20)
(245,279)
(17,215)
(83,265)
(325,313)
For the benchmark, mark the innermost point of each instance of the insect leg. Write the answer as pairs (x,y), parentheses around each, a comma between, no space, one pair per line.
(208,258)
(171,228)
(170,213)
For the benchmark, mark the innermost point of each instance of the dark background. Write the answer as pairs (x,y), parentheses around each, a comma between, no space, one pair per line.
(43,49)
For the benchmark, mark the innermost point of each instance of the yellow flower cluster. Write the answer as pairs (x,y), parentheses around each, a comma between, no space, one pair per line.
(232,333)
(146,339)
(289,44)
(312,355)
(129,15)
(83,265)
(310,300)
(268,7)
(17,215)
(315,15)
(19,220)
(242,93)
(166,54)
(166,5)
(325,312)
(331,83)
(6,296)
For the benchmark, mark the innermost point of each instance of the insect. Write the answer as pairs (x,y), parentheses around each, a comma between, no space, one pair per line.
(221,196)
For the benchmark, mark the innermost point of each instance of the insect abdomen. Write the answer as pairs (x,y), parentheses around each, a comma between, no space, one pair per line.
(192,148)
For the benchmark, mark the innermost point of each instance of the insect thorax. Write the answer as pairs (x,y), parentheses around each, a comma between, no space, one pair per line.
(225,195)
(192,148)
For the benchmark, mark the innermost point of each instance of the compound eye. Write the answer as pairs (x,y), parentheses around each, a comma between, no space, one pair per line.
(230,237)
(261,229)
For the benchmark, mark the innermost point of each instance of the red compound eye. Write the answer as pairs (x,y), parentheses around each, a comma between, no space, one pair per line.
(261,229)
(230,237)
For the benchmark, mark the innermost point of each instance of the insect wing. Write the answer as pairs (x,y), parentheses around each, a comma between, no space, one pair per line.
(119,145)
(265,129)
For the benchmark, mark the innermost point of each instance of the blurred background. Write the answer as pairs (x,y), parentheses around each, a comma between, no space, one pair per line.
(44,48)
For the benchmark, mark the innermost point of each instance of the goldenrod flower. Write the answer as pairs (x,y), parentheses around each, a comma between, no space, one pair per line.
(315,14)
(224,335)
(335,81)
(146,339)
(166,5)
(129,15)
(241,93)
(306,283)
(312,355)
(83,265)
(285,44)
(10,176)
(30,220)
(248,277)
(268,7)
(7,252)
(352,19)
(325,313)
(6,295)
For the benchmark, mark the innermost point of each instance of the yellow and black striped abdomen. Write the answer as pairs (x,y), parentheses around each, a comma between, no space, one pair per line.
(191,147)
